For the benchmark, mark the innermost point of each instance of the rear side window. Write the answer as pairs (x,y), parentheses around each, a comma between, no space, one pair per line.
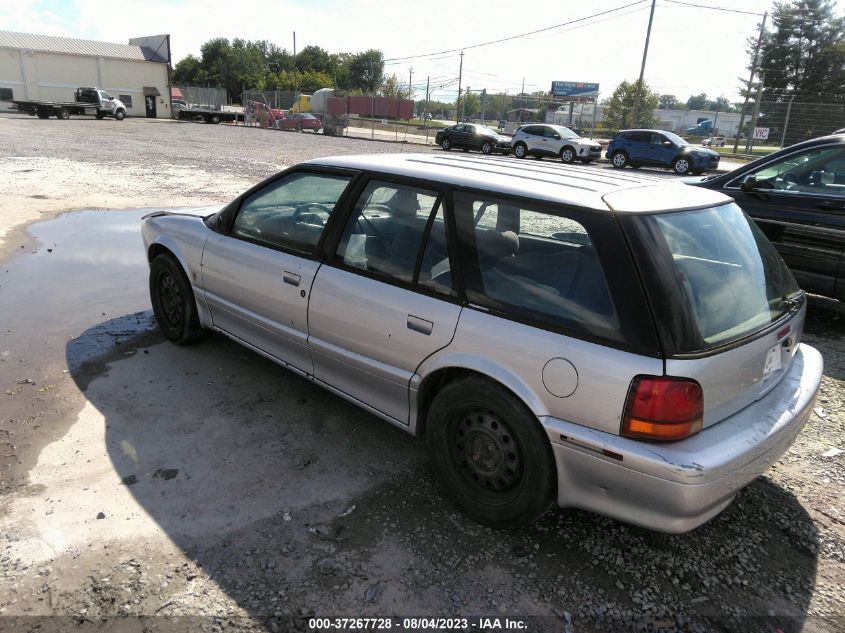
(728,276)
(537,265)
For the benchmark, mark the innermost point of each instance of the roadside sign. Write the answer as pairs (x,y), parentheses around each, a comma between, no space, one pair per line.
(574,89)
(761,134)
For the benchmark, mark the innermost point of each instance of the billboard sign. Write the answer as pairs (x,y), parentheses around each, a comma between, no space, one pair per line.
(574,89)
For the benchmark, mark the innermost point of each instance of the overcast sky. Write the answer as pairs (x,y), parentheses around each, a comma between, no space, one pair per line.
(692,49)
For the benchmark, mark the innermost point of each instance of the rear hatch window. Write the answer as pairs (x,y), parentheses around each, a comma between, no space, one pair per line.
(720,279)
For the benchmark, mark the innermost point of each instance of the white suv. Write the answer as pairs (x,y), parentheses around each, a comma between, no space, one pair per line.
(554,140)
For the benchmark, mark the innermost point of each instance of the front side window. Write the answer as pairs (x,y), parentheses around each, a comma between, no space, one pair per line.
(820,171)
(105,95)
(387,229)
(537,264)
(291,212)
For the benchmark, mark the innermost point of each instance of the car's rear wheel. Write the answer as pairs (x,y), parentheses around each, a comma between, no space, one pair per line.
(173,301)
(487,147)
(489,453)
(299,127)
(567,155)
(619,159)
(446,144)
(682,166)
(520,150)
(63,113)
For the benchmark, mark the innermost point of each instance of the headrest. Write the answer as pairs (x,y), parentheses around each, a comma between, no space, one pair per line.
(494,244)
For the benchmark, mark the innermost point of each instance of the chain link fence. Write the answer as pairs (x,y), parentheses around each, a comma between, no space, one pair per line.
(791,119)
(205,97)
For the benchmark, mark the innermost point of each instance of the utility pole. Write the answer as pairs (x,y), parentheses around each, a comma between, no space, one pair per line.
(464,105)
(750,140)
(458,102)
(425,108)
(294,63)
(483,102)
(642,66)
(410,76)
(750,80)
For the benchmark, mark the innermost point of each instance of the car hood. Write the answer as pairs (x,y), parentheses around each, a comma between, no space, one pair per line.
(199,212)
(702,151)
(586,142)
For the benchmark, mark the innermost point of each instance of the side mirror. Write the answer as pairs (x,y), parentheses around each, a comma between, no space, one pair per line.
(668,144)
(749,183)
(556,137)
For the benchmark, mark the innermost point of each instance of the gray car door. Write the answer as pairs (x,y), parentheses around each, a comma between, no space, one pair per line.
(386,301)
(257,277)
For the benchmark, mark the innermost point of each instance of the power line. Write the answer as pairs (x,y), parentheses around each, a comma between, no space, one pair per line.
(514,37)
(707,6)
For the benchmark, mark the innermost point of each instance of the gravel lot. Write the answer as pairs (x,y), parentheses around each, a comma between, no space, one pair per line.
(152,487)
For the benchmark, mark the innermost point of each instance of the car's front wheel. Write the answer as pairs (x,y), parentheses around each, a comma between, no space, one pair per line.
(520,150)
(567,155)
(489,453)
(446,144)
(619,159)
(682,165)
(487,147)
(173,301)
(120,115)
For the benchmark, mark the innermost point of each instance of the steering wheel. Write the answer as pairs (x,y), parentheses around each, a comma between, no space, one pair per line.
(311,213)
(789,180)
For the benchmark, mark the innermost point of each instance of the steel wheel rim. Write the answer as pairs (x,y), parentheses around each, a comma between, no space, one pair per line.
(485,452)
(171,299)
(619,159)
(682,166)
(567,155)
(486,148)
(519,151)
(445,144)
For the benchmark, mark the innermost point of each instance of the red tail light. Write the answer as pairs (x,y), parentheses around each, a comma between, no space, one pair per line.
(663,408)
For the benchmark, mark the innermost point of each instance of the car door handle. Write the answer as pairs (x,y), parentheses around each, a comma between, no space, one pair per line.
(420,325)
(291,278)
(831,206)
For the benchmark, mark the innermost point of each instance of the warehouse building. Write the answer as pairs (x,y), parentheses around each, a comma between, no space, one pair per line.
(49,68)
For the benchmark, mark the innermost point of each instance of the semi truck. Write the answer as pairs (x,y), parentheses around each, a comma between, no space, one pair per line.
(88,101)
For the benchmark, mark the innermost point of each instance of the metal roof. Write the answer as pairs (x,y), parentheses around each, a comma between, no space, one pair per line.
(550,181)
(69,46)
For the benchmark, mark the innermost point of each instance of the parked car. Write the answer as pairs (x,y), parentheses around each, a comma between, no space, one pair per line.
(657,148)
(467,136)
(542,139)
(300,121)
(797,197)
(623,345)
(714,141)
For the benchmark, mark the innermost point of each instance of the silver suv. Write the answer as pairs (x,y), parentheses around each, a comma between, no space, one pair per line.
(623,345)
(554,141)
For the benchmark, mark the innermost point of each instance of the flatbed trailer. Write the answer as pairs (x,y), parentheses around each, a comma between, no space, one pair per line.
(209,116)
(89,101)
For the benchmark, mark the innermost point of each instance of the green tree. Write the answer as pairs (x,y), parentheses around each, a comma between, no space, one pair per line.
(189,72)
(315,59)
(697,102)
(670,102)
(366,70)
(390,87)
(625,101)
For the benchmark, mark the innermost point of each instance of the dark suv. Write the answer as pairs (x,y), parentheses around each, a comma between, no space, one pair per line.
(659,149)
(797,197)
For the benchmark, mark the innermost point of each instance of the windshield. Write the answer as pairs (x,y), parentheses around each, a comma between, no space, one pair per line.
(480,129)
(305,115)
(677,140)
(729,277)
(564,132)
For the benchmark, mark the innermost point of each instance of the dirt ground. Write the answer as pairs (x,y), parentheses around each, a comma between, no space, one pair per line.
(149,487)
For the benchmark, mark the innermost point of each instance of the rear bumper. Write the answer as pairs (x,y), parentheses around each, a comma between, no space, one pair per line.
(676,486)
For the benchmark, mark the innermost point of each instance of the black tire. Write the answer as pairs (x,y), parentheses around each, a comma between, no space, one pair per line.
(520,150)
(487,147)
(682,166)
(42,113)
(568,154)
(100,116)
(446,144)
(619,160)
(120,115)
(214,119)
(299,127)
(174,305)
(63,114)
(506,478)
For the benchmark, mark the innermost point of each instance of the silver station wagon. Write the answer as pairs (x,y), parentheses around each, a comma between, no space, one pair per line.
(601,340)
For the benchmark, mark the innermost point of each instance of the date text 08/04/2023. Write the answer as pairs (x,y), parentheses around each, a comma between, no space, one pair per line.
(417,624)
